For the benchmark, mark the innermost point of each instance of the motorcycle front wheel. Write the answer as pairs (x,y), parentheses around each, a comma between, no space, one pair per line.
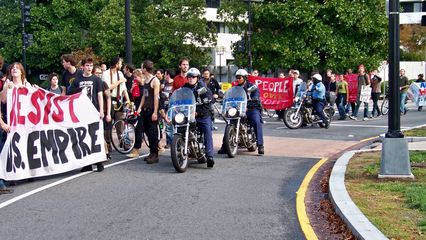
(177,149)
(291,119)
(231,141)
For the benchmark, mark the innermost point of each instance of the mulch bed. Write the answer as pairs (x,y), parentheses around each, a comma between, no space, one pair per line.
(322,216)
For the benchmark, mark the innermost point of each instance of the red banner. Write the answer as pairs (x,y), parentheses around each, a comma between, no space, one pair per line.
(275,93)
(352,80)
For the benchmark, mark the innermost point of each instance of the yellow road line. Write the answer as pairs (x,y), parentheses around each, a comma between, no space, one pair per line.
(368,139)
(300,202)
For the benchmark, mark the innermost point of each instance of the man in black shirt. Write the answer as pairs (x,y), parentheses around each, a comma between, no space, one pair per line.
(70,73)
(94,88)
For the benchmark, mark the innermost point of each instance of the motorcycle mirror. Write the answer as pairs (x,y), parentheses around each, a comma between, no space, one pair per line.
(201,91)
(252,88)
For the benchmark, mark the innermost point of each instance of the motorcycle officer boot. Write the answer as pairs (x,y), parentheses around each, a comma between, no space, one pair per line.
(152,158)
(261,149)
(210,162)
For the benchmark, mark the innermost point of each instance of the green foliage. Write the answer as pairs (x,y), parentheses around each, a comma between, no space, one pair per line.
(336,34)
(160,31)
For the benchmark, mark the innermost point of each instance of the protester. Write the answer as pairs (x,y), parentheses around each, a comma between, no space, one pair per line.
(128,74)
(17,76)
(419,80)
(403,89)
(363,80)
(3,65)
(181,79)
(149,110)
(70,71)
(107,120)
(375,92)
(159,73)
(331,90)
(167,91)
(342,96)
(117,85)
(94,89)
(255,73)
(54,87)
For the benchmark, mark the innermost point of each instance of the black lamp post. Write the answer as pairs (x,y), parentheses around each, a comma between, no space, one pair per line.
(128,33)
(394,126)
(249,34)
(395,159)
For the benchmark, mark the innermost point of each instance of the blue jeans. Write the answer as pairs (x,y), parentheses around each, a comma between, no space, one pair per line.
(255,120)
(358,104)
(402,107)
(341,100)
(204,125)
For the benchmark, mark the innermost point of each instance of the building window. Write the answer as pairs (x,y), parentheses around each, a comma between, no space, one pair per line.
(411,7)
(213,3)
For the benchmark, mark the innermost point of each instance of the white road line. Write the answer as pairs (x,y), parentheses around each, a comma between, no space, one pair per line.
(50,185)
(371,126)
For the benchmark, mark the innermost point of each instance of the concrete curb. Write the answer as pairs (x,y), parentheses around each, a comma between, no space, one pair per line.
(360,226)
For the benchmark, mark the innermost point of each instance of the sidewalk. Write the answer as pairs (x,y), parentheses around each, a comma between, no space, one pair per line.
(360,226)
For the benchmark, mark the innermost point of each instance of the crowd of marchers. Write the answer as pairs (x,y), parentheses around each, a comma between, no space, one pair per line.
(113,89)
(333,89)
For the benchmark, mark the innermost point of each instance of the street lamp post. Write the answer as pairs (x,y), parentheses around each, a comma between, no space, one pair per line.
(128,33)
(249,34)
(220,50)
(395,161)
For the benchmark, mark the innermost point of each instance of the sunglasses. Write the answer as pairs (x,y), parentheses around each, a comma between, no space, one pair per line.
(239,76)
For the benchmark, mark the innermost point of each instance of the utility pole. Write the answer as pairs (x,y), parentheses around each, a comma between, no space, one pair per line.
(395,161)
(24,52)
(128,33)
(249,34)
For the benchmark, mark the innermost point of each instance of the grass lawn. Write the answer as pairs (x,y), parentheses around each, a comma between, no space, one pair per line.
(418,132)
(395,207)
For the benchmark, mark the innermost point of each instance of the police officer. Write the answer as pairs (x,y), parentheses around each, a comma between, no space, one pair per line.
(318,98)
(254,109)
(203,111)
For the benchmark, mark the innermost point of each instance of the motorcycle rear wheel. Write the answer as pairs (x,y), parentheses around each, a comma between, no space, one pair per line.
(179,159)
(231,141)
(291,119)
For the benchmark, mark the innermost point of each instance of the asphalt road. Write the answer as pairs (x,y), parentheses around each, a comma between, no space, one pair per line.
(248,197)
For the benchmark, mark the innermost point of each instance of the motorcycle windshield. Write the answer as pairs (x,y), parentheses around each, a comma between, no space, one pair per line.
(235,97)
(182,101)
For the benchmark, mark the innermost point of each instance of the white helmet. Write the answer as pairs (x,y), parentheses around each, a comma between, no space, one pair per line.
(241,72)
(317,77)
(193,72)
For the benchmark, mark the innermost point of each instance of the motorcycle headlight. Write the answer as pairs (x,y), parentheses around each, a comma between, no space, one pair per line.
(232,112)
(179,118)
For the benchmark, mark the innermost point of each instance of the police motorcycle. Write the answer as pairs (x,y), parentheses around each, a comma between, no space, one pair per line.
(238,132)
(188,142)
(302,112)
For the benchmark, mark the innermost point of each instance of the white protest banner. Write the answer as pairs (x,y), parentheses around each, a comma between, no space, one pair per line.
(365,94)
(49,134)
(419,92)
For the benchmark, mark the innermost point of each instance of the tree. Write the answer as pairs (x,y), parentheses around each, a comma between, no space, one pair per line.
(334,34)
(172,30)
(413,42)
(163,31)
